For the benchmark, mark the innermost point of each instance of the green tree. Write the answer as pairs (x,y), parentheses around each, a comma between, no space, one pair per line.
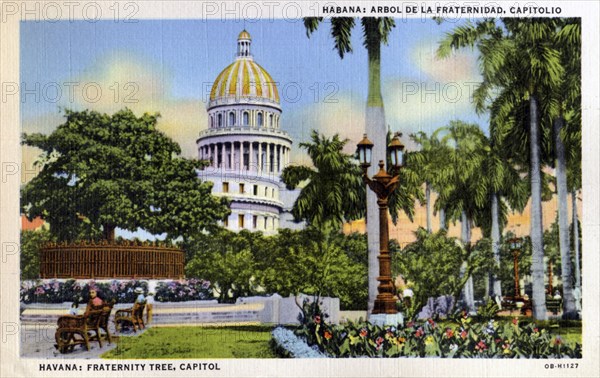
(567,40)
(334,192)
(31,243)
(101,172)
(506,189)
(226,259)
(464,196)
(430,162)
(316,263)
(433,264)
(376,31)
(522,72)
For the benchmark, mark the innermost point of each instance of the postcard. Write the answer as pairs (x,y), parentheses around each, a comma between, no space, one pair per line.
(357,188)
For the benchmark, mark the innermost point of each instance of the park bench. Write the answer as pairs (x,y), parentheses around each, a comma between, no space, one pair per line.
(77,330)
(554,305)
(133,316)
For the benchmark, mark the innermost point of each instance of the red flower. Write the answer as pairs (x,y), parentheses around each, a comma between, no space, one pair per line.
(535,330)
(363,332)
(498,341)
(463,334)
(431,322)
(449,333)
(515,321)
(419,332)
(557,341)
(481,346)
(410,324)
(317,319)
(379,340)
(327,335)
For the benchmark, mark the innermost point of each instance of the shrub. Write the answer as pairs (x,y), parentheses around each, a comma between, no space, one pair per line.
(185,290)
(75,291)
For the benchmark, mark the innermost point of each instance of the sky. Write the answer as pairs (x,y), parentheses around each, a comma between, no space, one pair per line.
(168,66)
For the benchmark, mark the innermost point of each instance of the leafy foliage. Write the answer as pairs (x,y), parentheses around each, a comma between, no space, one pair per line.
(226,260)
(311,261)
(184,290)
(78,291)
(31,242)
(100,172)
(335,192)
(465,338)
(432,264)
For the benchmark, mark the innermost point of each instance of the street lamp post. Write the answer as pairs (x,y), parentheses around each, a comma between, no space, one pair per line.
(515,247)
(383,185)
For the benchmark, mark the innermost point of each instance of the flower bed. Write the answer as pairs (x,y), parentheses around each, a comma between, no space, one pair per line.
(121,291)
(464,338)
(285,344)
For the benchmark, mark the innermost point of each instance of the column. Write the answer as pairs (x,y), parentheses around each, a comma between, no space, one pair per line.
(260,159)
(214,155)
(223,162)
(251,154)
(276,157)
(268,158)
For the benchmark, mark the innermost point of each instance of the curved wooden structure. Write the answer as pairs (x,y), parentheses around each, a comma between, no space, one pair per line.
(125,259)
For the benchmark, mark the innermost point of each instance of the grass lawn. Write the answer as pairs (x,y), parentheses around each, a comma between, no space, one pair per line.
(196,342)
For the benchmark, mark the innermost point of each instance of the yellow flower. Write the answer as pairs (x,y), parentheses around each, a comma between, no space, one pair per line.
(353,339)
(429,340)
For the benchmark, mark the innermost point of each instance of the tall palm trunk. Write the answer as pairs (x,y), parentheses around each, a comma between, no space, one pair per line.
(496,284)
(466,238)
(569,310)
(537,244)
(375,127)
(428,205)
(576,241)
(442,219)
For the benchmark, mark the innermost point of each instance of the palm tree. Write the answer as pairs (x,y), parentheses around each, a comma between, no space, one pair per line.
(568,41)
(335,192)
(428,162)
(465,196)
(522,67)
(375,32)
(506,189)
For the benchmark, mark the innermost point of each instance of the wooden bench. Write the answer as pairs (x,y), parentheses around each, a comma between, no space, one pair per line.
(133,316)
(77,330)
(554,305)
(103,333)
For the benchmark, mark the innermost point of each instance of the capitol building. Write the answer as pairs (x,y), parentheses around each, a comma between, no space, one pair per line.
(245,146)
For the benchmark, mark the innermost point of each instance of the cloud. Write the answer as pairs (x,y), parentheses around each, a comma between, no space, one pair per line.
(345,117)
(441,91)
(458,67)
(120,80)
(412,106)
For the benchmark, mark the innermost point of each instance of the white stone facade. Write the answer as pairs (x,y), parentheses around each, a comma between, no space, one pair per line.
(245,146)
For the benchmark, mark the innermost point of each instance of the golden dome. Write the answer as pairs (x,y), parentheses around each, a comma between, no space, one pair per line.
(244,78)
(244,35)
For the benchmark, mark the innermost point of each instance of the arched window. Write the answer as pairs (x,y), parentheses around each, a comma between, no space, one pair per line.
(259,119)
(220,120)
(231,118)
(246,119)
(212,122)
(271,121)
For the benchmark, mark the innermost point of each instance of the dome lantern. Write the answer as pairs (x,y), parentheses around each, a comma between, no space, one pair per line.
(244,42)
